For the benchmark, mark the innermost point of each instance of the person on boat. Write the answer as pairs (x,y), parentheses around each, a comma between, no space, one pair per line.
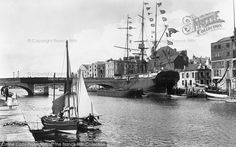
(91,119)
(60,115)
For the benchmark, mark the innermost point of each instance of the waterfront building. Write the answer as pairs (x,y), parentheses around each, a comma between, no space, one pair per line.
(194,74)
(223,60)
(85,70)
(201,60)
(133,65)
(167,58)
(98,69)
(114,68)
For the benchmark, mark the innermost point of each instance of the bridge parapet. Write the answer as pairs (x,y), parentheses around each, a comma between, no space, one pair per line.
(9,80)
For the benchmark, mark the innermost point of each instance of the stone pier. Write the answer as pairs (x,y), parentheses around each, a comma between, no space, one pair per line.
(13,133)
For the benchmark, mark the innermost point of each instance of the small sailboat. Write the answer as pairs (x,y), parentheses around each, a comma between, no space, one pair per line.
(74,109)
(216,94)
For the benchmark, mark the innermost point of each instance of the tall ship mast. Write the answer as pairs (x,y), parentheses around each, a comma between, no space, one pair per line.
(142,45)
(127,28)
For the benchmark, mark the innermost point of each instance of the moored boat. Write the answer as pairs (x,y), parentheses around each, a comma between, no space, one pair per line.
(231,100)
(216,96)
(157,95)
(178,96)
(43,134)
(123,93)
(74,109)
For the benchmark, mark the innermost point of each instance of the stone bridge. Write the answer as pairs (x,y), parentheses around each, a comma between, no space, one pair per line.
(29,83)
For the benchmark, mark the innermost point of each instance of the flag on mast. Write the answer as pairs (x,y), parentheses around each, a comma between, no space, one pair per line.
(159,4)
(162,11)
(171,31)
(164,18)
(169,42)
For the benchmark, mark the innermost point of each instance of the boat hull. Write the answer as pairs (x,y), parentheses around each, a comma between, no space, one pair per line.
(52,122)
(231,100)
(132,93)
(178,96)
(163,82)
(215,99)
(77,124)
(156,95)
(43,134)
(212,96)
(216,96)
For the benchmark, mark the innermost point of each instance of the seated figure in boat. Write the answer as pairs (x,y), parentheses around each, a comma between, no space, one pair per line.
(91,120)
(60,115)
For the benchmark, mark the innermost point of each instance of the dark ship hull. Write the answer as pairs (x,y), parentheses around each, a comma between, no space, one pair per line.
(162,83)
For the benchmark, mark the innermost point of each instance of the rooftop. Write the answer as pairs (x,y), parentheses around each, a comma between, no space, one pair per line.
(194,67)
(225,39)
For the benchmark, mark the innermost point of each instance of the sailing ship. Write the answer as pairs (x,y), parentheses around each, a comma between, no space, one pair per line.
(74,109)
(159,84)
(162,82)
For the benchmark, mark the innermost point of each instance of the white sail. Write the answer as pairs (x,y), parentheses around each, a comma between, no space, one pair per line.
(85,106)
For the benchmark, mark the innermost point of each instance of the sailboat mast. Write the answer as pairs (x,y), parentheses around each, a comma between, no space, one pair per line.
(127,37)
(67,69)
(155,41)
(68,76)
(54,76)
(234,22)
(143,24)
(141,46)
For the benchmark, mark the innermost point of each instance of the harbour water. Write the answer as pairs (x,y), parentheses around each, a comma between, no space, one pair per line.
(148,122)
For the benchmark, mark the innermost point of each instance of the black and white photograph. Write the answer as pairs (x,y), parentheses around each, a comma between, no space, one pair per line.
(120,73)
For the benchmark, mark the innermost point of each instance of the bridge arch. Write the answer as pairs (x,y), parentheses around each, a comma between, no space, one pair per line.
(98,84)
(30,90)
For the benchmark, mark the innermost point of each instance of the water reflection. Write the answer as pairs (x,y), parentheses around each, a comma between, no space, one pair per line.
(223,109)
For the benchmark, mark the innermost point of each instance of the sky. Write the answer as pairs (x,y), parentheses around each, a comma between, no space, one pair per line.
(33,32)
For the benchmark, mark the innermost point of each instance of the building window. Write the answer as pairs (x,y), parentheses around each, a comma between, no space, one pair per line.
(192,74)
(215,47)
(215,72)
(234,53)
(183,82)
(227,64)
(228,53)
(227,45)
(208,75)
(219,46)
(201,74)
(187,75)
(190,82)
(201,82)
(182,75)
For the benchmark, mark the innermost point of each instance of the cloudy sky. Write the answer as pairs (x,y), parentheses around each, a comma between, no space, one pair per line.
(32,32)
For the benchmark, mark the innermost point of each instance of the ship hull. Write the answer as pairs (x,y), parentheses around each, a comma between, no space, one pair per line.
(136,87)
(131,93)
(163,82)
